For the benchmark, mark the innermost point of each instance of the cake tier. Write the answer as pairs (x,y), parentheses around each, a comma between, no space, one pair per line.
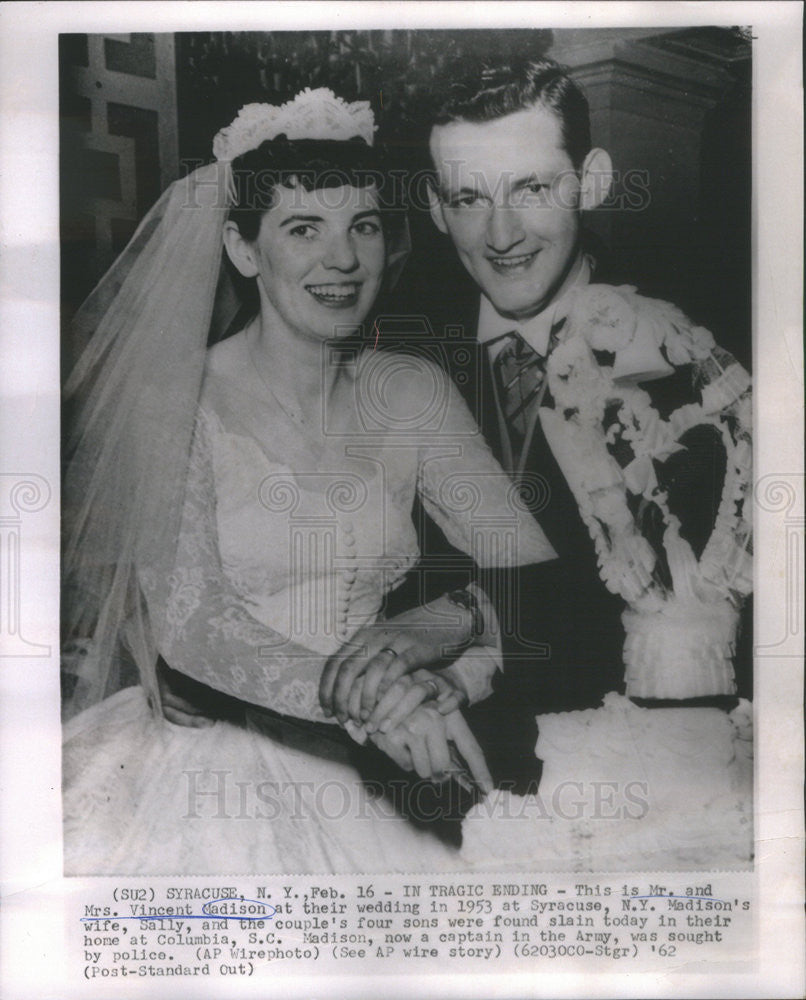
(683,651)
(626,789)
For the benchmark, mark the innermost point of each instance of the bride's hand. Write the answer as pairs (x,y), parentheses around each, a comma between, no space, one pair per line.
(386,651)
(421,743)
(185,702)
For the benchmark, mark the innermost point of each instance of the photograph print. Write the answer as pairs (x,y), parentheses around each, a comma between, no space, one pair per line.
(407,497)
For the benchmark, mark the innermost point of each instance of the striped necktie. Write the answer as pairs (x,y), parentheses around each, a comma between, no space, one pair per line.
(520,375)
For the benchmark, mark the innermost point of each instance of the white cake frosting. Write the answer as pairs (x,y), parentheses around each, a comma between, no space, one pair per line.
(684,650)
(626,788)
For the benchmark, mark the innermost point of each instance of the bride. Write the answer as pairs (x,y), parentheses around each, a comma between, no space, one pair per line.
(240,511)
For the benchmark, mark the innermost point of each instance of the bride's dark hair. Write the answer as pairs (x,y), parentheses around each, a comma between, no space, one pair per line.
(310,163)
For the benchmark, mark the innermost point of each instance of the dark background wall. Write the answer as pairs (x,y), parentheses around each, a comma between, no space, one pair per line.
(672,107)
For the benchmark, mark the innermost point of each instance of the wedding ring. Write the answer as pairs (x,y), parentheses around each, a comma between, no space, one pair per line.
(388,649)
(433,687)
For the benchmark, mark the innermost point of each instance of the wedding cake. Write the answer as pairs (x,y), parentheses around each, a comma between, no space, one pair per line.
(624,452)
(626,789)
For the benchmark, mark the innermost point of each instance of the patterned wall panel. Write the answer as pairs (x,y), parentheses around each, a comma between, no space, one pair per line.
(673,109)
(119,148)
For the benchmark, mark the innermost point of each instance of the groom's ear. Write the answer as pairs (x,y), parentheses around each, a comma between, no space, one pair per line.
(435,205)
(596,178)
(240,251)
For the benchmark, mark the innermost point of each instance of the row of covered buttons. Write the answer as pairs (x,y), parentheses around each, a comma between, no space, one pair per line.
(349,575)
(346,580)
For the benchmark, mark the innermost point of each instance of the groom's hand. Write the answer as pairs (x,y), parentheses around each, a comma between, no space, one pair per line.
(380,654)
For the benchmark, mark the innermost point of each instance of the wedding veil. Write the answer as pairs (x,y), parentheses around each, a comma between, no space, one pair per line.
(130,405)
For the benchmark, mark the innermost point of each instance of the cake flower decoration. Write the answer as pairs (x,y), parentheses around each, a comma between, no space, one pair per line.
(611,442)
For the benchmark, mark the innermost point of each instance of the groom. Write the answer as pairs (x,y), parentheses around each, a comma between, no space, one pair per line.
(514,170)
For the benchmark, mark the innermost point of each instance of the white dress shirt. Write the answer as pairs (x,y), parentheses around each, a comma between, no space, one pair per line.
(536,330)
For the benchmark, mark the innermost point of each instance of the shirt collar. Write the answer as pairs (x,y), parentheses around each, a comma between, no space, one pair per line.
(536,330)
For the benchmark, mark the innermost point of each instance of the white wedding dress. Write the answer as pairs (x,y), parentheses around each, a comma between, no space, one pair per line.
(289,543)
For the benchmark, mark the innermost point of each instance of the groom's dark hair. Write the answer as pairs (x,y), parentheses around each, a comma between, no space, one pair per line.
(494,91)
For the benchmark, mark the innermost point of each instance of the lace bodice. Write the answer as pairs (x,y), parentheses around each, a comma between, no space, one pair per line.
(290,540)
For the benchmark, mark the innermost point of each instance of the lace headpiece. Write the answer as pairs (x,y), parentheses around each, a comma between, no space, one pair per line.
(312,114)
